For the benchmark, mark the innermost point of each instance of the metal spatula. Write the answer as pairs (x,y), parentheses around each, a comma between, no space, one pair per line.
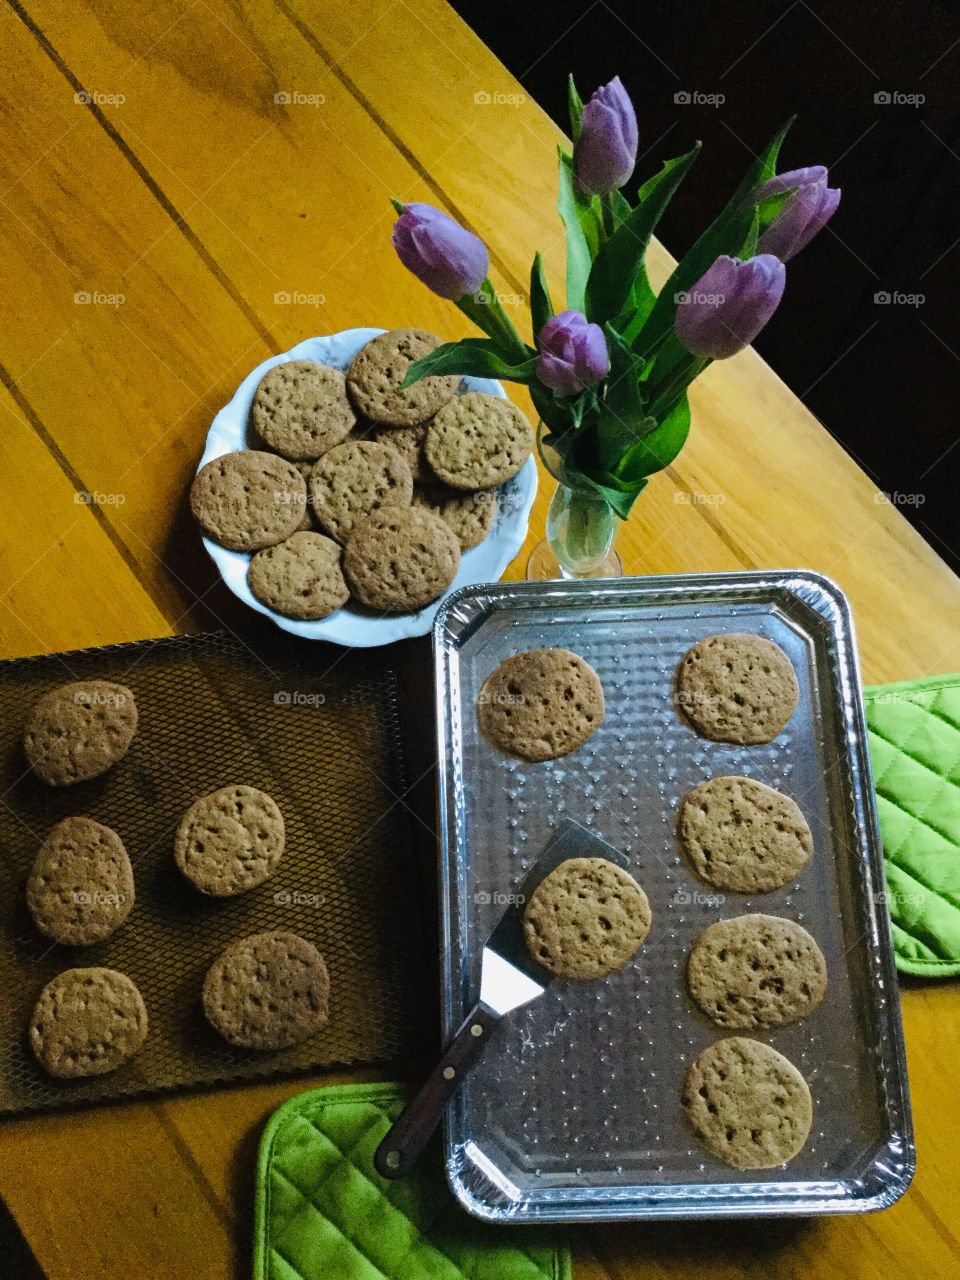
(509,978)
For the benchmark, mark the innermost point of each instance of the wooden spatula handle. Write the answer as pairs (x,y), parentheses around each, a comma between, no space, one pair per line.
(410,1133)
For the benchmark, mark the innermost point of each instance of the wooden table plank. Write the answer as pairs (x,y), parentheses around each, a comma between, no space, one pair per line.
(303,207)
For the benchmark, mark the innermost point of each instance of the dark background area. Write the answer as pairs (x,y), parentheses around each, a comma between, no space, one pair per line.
(876,87)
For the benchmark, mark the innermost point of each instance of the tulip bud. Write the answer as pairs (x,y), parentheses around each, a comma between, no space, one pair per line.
(443,255)
(606,150)
(806,212)
(729,305)
(573,353)
(789,181)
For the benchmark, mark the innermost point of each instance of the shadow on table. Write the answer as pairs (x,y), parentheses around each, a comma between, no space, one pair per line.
(693,1248)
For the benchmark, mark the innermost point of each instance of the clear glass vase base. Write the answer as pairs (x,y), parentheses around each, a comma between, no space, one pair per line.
(543,566)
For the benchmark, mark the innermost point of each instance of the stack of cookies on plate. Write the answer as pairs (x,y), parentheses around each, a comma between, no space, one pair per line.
(364,489)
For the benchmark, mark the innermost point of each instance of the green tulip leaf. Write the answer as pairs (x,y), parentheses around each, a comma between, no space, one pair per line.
(619,261)
(541,308)
(575,106)
(732,232)
(658,449)
(475,357)
(581,222)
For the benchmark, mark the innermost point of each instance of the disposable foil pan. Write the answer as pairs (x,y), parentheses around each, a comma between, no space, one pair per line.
(573,1113)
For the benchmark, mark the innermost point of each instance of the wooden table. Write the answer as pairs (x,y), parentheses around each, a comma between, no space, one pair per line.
(192,185)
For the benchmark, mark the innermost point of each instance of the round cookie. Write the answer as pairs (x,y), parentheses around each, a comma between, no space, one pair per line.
(400,559)
(301,409)
(80,888)
(743,836)
(354,479)
(541,704)
(408,442)
(78,730)
(469,515)
(248,499)
(87,1022)
(586,919)
(268,991)
(478,441)
(748,1104)
(374,379)
(756,971)
(230,840)
(301,577)
(737,688)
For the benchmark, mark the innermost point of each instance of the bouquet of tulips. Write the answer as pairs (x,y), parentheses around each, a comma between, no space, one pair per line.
(609,373)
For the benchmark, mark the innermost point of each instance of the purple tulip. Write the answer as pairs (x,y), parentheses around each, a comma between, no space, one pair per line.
(446,257)
(606,150)
(784,182)
(806,212)
(573,353)
(729,305)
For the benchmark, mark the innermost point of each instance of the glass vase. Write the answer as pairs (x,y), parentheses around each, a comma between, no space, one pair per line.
(581,530)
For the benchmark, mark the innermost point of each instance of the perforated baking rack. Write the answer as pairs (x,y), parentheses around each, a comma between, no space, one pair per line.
(574,1112)
(316,728)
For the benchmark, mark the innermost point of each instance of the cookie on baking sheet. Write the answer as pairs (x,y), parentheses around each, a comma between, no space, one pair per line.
(374,379)
(87,1022)
(80,888)
(748,1104)
(469,515)
(737,687)
(743,836)
(477,441)
(300,577)
(301,409)
(756,971)
(248,499)
(586,919)
(230,840)
(268,991)
(408,442)
(78,730)
(400,559)
(354,479)
(541,704)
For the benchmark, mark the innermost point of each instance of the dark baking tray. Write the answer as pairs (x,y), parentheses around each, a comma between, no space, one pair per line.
(319,730)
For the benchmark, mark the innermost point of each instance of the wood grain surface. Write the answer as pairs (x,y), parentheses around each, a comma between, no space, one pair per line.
(190,186)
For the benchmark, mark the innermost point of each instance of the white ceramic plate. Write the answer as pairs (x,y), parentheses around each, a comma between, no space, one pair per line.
(349,626)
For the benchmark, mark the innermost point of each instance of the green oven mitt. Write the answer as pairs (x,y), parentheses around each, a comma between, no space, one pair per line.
(914,732)
(323,1213)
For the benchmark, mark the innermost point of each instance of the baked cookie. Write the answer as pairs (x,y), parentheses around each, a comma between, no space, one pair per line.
(408,442)
(301,409)
(78,730)
(87,1022)
(756,971)
(230,840)
(469,515)
(268,991)
(400,559)
(477,441)
(541,704)
(355,479)
(249,499)
(748,1104)
(743,836)
(80,889)
(586,919)
(374,379)
(737,688)
(300,577)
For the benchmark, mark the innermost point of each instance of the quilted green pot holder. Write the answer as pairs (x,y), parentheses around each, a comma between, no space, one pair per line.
(914,731)
(323,1213)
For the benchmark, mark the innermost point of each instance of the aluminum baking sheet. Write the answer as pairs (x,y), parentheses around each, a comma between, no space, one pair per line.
(573,1113)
